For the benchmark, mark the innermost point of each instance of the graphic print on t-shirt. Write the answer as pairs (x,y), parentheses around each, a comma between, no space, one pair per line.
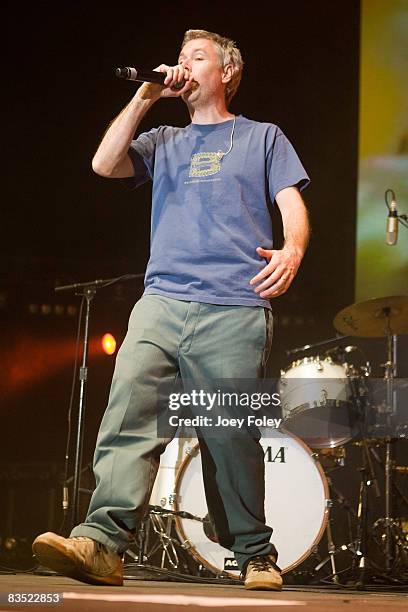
(205,164)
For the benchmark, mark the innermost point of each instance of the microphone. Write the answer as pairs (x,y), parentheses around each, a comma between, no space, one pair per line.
(149,76)
(392,224)
(65,502)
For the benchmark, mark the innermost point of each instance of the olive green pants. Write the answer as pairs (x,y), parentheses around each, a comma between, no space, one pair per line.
(167,341)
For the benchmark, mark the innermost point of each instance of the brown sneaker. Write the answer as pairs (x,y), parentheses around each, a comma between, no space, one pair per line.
(263,574)
(80,558)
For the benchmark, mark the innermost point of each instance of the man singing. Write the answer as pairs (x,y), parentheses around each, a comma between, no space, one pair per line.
(205,313)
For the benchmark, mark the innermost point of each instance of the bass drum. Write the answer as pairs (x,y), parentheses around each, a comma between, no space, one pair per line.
(296,505)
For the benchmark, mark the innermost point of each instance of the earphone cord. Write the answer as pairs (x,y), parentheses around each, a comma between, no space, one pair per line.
(232,137)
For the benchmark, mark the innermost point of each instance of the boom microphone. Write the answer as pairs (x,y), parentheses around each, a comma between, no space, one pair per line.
(149,76)
(392,224)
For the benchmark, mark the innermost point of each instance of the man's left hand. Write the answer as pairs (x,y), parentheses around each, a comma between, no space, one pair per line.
(279,272)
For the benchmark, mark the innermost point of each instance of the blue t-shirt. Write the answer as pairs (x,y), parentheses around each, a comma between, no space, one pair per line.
(210,215)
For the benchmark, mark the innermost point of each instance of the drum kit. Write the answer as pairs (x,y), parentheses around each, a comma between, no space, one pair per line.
(327,404)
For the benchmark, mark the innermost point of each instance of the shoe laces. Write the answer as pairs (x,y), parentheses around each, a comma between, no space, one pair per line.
(98,546)
(263,564)
(98,549)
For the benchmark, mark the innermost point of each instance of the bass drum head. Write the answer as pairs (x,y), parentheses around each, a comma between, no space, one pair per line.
(296,505)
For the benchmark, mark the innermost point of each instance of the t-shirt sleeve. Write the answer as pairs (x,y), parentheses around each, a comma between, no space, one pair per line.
(283,166)
(142,152)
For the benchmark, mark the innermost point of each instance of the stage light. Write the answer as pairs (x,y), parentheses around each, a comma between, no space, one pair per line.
(72,311)
(109,344)
(45,309)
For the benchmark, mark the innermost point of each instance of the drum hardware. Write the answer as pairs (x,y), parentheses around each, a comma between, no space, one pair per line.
(401,431)
(330,458)
(368,478)
(343,503)
(162,526)
(401,469)
(332,549)
(160,517)
(384,531)
(381,528)
(374,318)
(160,521)
(379,317)
(392,529)
(307,347)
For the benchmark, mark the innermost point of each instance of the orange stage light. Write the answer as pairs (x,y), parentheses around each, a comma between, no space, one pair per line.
(109,344)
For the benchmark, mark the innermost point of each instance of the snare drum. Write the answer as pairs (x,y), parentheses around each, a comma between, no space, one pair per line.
(317,401)
(296,505)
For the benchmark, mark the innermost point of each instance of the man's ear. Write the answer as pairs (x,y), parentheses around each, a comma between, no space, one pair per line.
(227,74)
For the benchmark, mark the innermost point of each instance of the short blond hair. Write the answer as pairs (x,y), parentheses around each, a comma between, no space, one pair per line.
(229,54)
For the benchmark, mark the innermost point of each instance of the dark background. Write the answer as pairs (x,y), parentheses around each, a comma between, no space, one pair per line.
(61,223)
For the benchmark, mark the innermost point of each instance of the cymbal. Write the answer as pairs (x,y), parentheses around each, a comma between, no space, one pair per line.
(369,319)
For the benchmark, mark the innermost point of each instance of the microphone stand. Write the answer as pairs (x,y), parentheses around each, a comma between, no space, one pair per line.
(88,291)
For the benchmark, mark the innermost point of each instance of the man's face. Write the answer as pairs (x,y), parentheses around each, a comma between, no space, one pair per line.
(202,59)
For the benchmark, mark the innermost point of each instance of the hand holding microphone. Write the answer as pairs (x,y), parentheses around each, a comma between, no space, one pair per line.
(173,80)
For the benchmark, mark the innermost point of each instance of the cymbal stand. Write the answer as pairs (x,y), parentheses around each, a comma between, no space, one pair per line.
(368,478)
(332,549)
(390,373)
(399,540)
(399,469)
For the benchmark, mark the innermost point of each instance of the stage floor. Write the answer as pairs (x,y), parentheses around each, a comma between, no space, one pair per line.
(152,596)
